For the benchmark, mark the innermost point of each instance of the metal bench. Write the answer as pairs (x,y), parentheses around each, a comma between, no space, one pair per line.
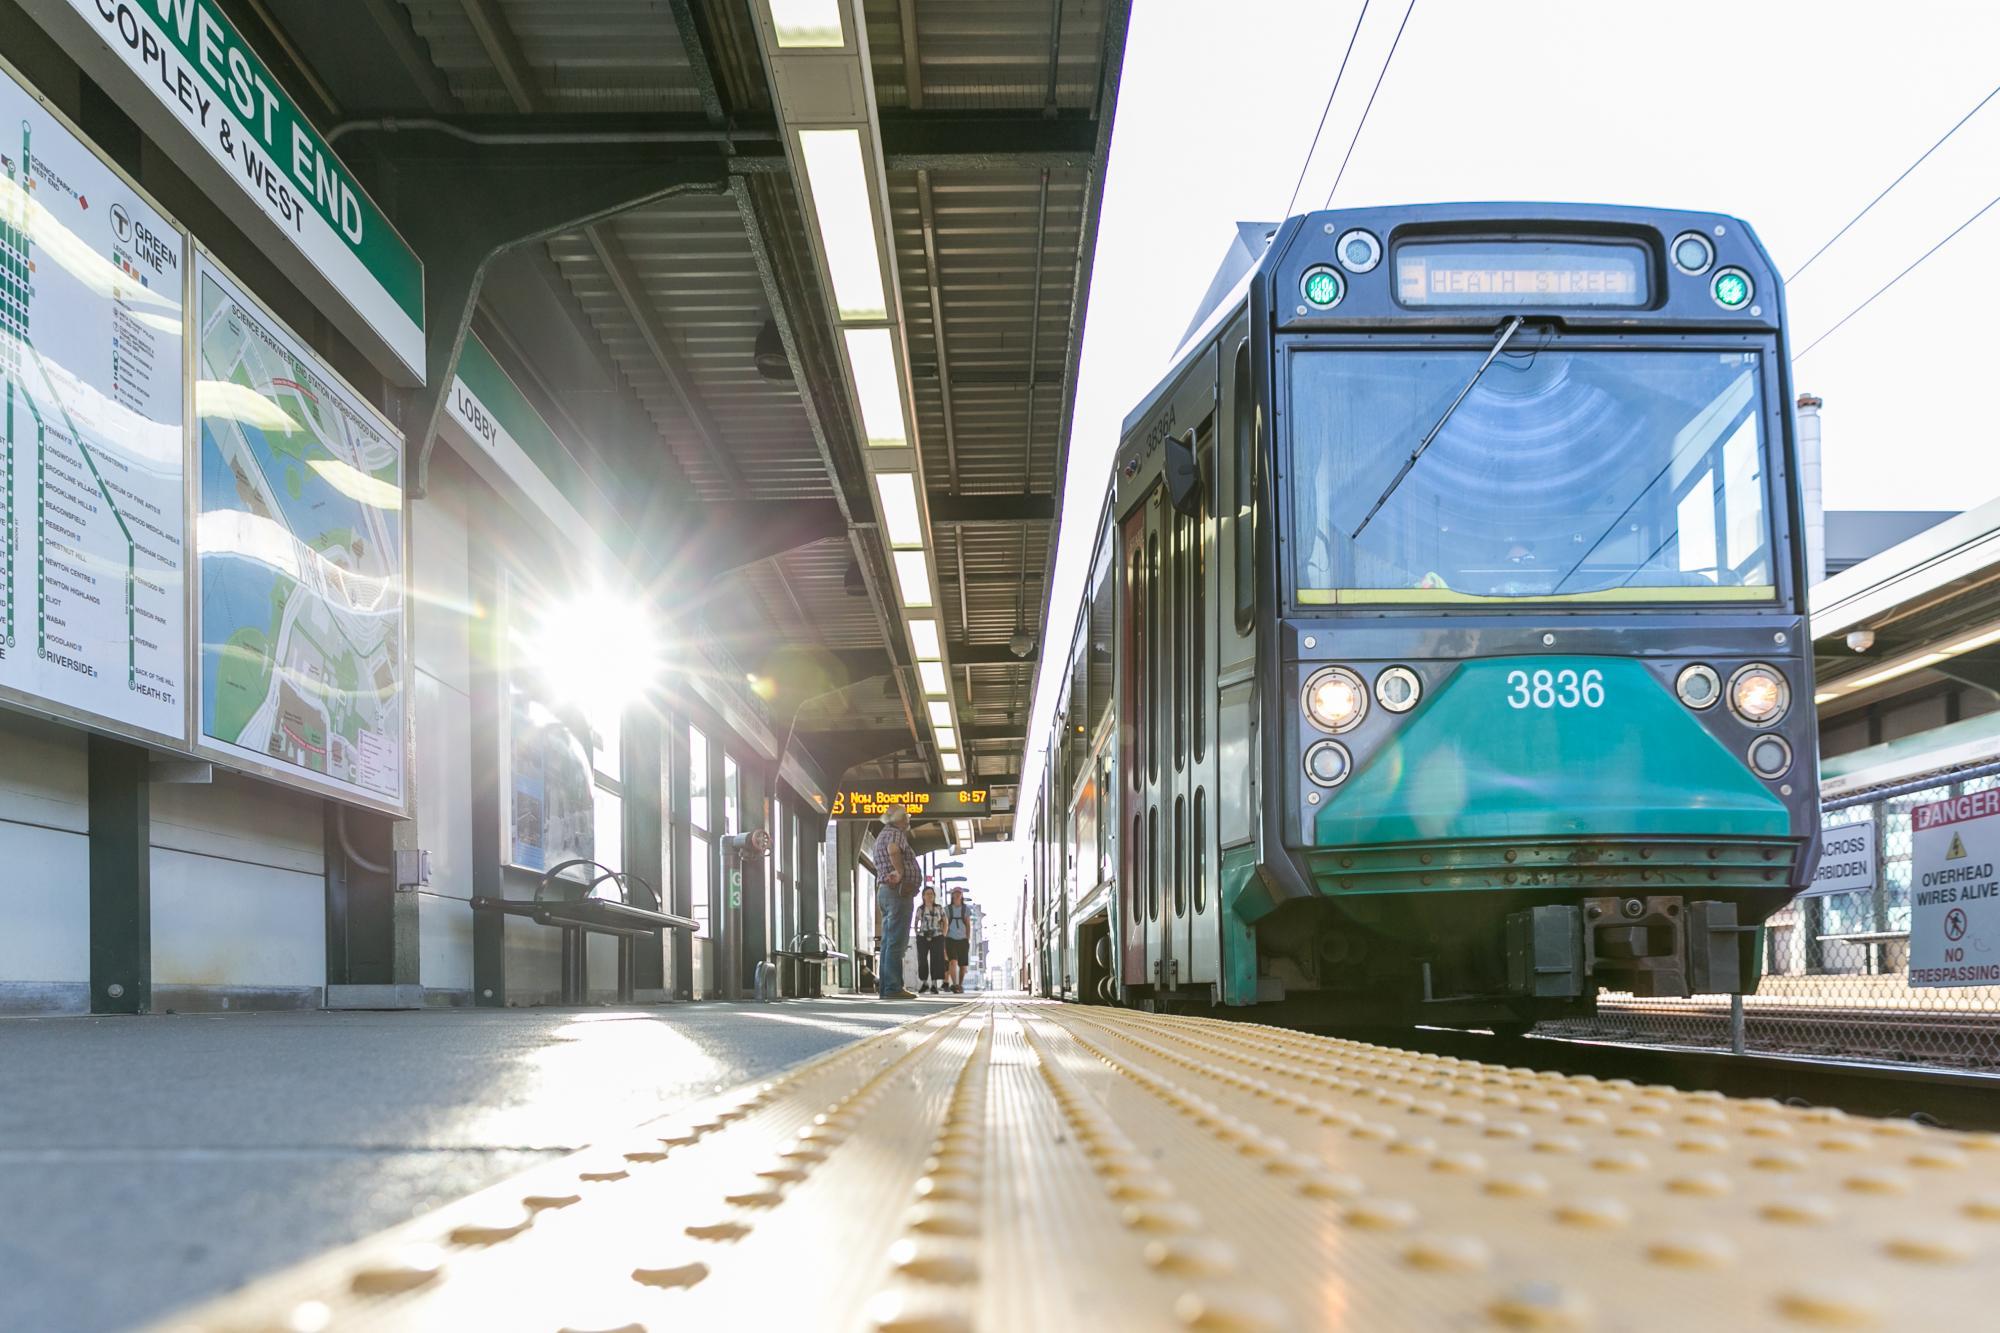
(576,910)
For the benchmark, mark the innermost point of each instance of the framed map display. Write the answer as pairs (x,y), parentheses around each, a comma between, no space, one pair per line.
(301,534)
(93,455)
(550,815)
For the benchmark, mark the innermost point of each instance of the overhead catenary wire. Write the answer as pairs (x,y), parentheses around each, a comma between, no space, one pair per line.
(1362,124)
(1794,274)
(1900,276)
(1321,127)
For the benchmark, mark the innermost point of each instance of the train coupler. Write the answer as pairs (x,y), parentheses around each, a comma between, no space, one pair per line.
(1653,946)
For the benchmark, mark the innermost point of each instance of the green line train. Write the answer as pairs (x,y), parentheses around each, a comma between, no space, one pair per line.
(1444,656)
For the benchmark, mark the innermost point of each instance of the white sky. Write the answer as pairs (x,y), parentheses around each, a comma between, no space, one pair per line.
(1788,114)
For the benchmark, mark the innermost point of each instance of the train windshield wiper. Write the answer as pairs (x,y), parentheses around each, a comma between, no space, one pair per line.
(1499,345)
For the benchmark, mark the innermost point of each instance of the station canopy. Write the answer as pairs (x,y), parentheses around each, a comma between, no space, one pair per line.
(692,345)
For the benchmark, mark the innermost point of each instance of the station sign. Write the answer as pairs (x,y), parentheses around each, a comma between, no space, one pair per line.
(1846,860)
(239,124)
(944,803)
(1954,894)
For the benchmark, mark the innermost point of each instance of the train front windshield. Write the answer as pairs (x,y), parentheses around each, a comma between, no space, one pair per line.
(1585,476)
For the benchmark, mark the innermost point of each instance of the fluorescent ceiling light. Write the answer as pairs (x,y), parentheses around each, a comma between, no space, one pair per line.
(954,782)
(898,494)
(932,676)
(940,713)
(913,573)
(878,387)
(952,763)
(924,634)
(947,739)
(839,183)
(806,23)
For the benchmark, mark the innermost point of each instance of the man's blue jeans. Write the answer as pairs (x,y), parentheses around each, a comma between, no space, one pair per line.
(894,909)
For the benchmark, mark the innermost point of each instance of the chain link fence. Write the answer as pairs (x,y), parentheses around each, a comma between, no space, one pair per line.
(1836,965)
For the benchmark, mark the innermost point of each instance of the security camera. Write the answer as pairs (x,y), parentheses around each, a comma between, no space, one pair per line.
(1861,640)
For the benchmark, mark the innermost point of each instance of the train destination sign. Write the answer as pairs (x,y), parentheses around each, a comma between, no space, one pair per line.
(1954,896)
(1515,273)
(945,803)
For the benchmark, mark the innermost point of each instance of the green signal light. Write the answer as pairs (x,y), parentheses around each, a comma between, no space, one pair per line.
(1731,289)
(1321,287)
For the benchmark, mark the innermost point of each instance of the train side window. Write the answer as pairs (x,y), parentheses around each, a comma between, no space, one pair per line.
(1243,487)
(1177,558)
(1200,850)
(1154,634)
(1204,698)
(1153,862)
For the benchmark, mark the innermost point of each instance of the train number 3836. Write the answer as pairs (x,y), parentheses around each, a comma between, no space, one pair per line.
(1556,689)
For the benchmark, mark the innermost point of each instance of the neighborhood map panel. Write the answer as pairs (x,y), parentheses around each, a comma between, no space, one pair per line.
(301,557)
(93,468)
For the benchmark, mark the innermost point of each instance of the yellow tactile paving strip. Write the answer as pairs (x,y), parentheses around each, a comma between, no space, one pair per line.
(1020,1165)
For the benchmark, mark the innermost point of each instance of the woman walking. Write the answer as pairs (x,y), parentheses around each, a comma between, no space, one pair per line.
(930,944)
(957,940)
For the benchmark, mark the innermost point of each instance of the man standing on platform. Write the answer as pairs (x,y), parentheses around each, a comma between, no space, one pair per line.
(896,886)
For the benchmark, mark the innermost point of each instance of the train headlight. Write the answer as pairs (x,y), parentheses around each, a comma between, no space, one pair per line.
(1759,694)
(1398,689)
(1328,763)
(1359,251)
(1336,700)
(1770,756)
(1698,686)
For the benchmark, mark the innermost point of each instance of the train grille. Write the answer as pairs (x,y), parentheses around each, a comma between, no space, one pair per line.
(1652,865)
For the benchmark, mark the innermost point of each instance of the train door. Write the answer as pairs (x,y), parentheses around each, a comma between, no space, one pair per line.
(1200,947)
(1134,714)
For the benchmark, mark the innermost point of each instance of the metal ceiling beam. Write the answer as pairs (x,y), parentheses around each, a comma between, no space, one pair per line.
(695,45)
(938,141)
(659,341)
(938,340)
(392,20)
(913,63)
(503,48)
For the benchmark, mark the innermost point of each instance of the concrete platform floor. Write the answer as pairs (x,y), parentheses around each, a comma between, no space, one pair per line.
(149,1162)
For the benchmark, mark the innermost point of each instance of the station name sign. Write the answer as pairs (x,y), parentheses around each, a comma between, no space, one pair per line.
(200,70)
(945,803)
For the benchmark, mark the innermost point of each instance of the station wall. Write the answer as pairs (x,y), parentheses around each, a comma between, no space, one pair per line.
(44,867)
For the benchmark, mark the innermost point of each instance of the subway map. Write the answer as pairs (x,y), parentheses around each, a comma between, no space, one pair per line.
(301,557)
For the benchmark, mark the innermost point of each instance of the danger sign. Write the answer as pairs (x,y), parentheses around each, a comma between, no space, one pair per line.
(1954,894)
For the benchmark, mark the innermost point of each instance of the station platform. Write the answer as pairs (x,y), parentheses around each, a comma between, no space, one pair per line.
(148,1163)
(1008,1164)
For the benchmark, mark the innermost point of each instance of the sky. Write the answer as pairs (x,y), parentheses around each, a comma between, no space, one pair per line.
(1790,114)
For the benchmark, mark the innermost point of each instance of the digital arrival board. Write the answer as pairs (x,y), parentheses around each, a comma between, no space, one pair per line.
(93,466)
(945,803)
(301,541)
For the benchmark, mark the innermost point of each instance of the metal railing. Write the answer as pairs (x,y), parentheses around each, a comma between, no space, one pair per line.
(1836,967)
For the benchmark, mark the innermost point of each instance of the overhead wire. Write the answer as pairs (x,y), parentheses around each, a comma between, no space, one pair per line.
(1899,277)
(1363,122)
(1793,276)
(1321,127)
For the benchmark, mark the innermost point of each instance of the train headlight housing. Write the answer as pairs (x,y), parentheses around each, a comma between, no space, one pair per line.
(1335,699)
(1770,756)
(1732,289)
(1322,287)
(1359,251)
(1328,763)
(1698,686)
(1398,689)
(1759,694)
